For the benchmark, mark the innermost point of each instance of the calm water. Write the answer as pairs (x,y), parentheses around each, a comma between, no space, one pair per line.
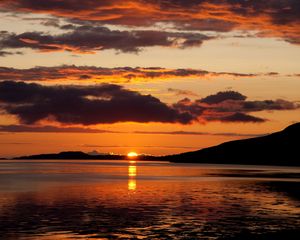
(147,200)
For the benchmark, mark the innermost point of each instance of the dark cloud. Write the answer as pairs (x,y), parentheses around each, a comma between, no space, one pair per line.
(241,117)
(179,92)
(89,39)
(187,105)
(231,106)
(278,104)
(6,53)
(272,18)
(109,103)
(71,72)
(85,105)
(272,74)
(223,96)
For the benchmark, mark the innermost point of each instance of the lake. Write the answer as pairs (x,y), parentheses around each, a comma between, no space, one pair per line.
(46,200)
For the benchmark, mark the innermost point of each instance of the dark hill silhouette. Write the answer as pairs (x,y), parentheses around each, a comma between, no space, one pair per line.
(280,148)
(71,155)
(77,155)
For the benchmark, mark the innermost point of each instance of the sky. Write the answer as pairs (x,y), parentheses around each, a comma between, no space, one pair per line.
(151,76)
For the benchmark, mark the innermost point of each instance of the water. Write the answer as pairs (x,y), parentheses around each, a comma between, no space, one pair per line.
(46,200)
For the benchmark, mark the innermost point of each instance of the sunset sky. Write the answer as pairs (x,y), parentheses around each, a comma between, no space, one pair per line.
(150,76)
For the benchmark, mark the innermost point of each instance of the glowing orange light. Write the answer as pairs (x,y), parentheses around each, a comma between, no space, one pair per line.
(132,184)
(132,154)
(132,171)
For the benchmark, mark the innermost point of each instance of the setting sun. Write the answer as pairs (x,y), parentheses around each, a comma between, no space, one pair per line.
(132,154)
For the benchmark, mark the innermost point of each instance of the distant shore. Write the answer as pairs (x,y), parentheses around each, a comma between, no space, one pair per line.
(277,149)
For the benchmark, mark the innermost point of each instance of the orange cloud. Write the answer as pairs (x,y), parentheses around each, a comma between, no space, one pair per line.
(109,103)
(271,18)
(118,74)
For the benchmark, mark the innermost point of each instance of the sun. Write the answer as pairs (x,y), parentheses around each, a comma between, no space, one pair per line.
(132,154)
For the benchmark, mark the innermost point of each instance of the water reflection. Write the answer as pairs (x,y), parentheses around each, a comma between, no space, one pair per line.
(132,176)
(90,200)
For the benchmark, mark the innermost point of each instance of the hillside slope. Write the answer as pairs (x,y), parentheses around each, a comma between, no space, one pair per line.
(280,148)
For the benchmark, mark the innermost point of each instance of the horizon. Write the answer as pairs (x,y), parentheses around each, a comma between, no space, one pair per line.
(147,76)
(130,155)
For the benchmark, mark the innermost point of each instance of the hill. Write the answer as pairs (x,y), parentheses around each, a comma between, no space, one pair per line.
(77,155)
(280,148)
(71,155)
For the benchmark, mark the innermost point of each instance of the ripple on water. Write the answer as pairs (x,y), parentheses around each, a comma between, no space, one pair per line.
(181,207)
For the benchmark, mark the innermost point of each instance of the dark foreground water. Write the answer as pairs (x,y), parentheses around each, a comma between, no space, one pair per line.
(48,200)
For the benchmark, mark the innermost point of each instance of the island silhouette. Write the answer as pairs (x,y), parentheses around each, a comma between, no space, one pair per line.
(279,148)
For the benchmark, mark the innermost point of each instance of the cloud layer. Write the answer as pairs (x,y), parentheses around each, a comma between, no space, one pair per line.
(109,103)
(231,106)
(57,129)
(89,39)
(118,74)
(87,105)
(272,18)
(49,129)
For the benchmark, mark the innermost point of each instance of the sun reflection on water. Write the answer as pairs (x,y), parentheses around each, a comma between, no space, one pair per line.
(132,176)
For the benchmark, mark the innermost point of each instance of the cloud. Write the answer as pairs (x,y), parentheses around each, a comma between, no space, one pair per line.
(87,105)
(272,18)
(179,92)
(231,106)
(6,53)
(89,39)
(241,117)
(223,96)
(278,104)
(229,134)
(294,75)
(55,129)
(110,103)
(49,129)
(117,74)
(46,21)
